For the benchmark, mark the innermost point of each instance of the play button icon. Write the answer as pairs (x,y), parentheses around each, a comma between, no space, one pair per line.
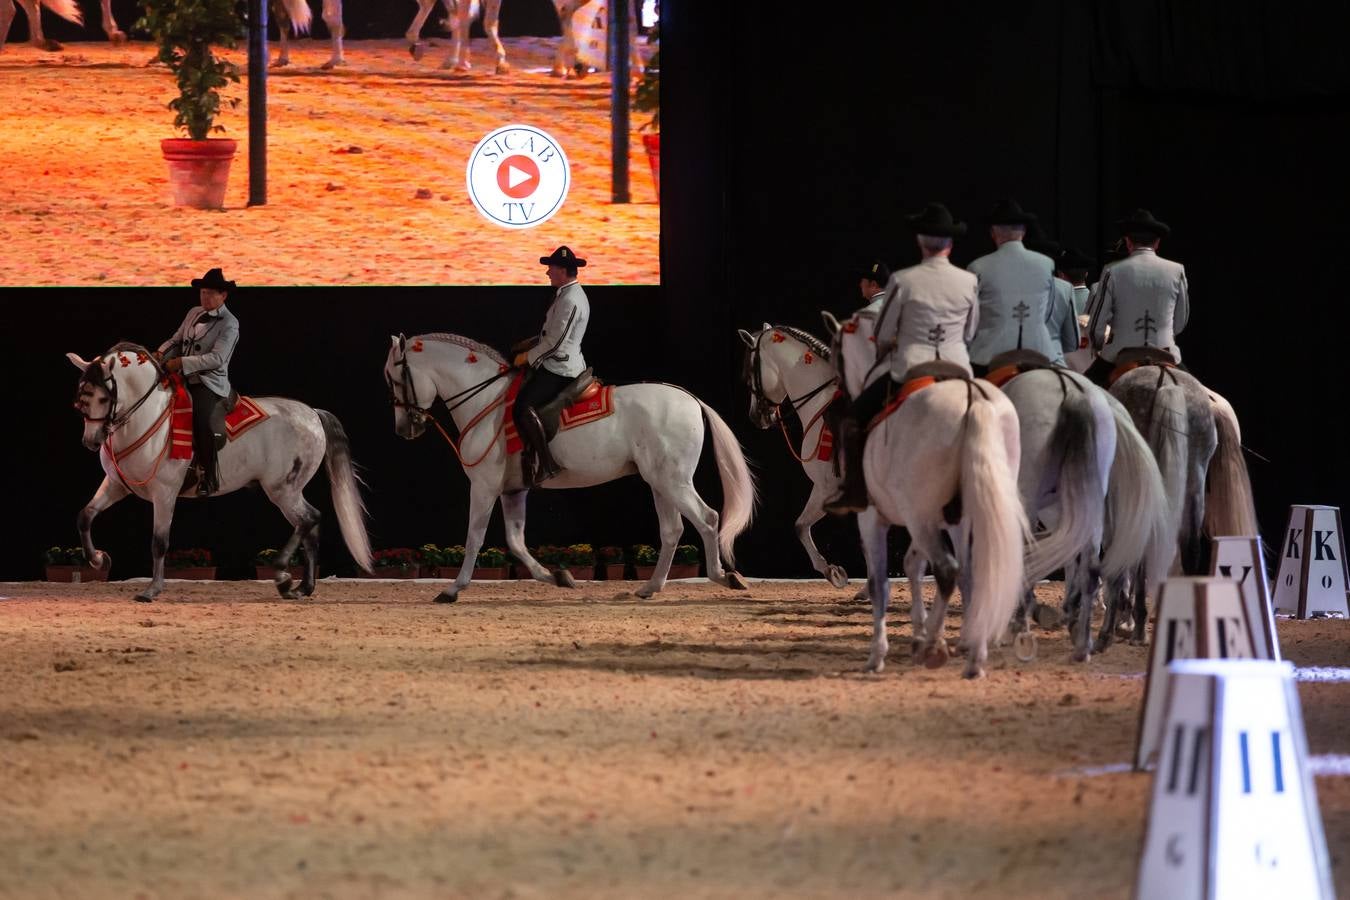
(517,177)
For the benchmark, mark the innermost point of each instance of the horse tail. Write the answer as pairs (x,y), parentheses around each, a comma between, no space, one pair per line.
(66,9)
(299,13)
(345,485)
(1230,508)
(1169,436)
(998,525)
(738,484)
(1136,507)
(1072,455)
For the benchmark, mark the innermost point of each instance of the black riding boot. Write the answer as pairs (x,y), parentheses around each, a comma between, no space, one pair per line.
(532,430)
(853,496)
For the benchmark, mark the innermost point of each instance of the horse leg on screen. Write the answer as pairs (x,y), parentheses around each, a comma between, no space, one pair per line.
(164,500)
(332,17)
(108,493)
(873,530)
(115,34)
(812,513)
(414,33)
(567,47)
(458,58)
(481,500)
(6,19)
(304,518)
(513,511)
(672,527)
(492,12)
(34,11)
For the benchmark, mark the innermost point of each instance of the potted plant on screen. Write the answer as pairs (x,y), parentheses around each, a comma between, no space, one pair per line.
(643,557)
(69,564)
(685,564)
(192,564)
(647,99)
(491,564)
(186,32)
(611,563)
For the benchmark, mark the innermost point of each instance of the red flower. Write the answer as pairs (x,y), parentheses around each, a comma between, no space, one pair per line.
(808,358)
(471,358)
(778,337)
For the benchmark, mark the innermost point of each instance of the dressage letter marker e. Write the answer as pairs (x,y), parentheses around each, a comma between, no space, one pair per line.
(1198,618)
(1312,576)
(1234,812)
(518,176)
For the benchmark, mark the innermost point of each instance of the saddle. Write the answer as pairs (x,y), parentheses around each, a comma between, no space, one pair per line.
(580,388)
(1022,358)
(1145,356)
(941,369)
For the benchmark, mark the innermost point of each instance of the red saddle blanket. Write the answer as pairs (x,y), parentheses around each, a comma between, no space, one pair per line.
(595,403)
(245,415)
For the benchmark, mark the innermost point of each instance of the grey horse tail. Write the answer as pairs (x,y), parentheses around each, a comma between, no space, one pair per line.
(346,489)
(1072,458)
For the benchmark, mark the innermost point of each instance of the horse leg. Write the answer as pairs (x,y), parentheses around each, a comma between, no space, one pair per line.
(1139,636)
(873,531)
(304,518)
(6,19)
(284,57)
(414,33)
(567,47)
(492,11)
(108,493)
(1087,578)
(672,526)
(1115,594)
(916,566)
(513,511)
(332,17)
(1193,544)
(812,513)
(34,10)
(164,501)
(481,499)
(458,58)
(310,547)
(927,541)
(705,521)
(115,34)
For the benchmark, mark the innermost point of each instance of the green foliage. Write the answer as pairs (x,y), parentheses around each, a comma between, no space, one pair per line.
(643,554)
(550,555)
(647,96)
(492,558)
(185,31)
(686,555)
(579,555)
(64,556)
(452,556)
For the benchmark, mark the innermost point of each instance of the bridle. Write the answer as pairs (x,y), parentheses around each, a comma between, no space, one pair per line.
(755,378)
(112,421)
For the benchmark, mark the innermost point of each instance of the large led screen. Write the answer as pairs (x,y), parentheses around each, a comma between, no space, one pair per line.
(397,165)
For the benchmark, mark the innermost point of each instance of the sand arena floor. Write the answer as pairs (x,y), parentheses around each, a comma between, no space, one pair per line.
(535,742)
(366,180)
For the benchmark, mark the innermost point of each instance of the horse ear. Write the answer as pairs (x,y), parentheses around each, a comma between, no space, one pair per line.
(765,327)
(747,337)
(78,363)
(831,323)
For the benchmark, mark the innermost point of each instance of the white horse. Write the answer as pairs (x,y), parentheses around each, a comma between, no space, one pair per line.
(459,14)
(655,430)
(793,368)
(127,407)
(943,465)
(66,9)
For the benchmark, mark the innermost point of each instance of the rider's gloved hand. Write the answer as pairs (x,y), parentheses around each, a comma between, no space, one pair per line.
(522,358)
(174,364)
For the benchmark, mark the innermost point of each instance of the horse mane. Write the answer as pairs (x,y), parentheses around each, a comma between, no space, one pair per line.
(467,343)
(813,343)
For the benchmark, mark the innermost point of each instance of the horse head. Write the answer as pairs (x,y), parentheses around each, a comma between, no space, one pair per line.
(111,388)
(411,389)
(762,377)
(852,350)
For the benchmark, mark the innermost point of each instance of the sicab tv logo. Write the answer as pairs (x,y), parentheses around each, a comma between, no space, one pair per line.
(518,176)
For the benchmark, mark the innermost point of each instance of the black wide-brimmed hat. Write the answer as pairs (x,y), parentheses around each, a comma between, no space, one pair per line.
(563,256)
(214,280)
(1070,259)
(935,220)
(1010,212)
(1142,221)
(876,270)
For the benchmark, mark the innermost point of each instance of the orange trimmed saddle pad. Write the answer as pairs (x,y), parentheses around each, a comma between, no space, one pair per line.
(907,390)
(245,415)
(595,403)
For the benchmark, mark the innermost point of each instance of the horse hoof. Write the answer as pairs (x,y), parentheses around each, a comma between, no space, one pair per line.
(1024,646)
(862,596)
(837,577)
(556,72)
(290,595)
(100,559)
(279,64)
(645,593)
(1082,656)
(51,46)
(563,579)
(1047,616)
(503,68)
(417,50)
(306,590)
(972,671)
(937,655)
(283,585)
(736,582)
(117,38)
(446,597)
(875,666)
(331,64)
(144,597)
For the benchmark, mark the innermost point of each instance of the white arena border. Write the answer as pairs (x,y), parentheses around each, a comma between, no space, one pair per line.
(1326,766)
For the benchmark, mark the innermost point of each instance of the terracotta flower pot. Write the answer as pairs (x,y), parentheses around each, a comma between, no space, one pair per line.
(683,570)
(77,573)
(612,571)
(192,573)
(448,572)
(495,573)
(643,573)
(653,144)
(198,170)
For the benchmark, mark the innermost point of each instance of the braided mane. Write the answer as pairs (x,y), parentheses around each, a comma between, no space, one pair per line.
(813,343)
(467,343)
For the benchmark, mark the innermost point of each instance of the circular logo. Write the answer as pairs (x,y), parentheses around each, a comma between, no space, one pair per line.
(518,176)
